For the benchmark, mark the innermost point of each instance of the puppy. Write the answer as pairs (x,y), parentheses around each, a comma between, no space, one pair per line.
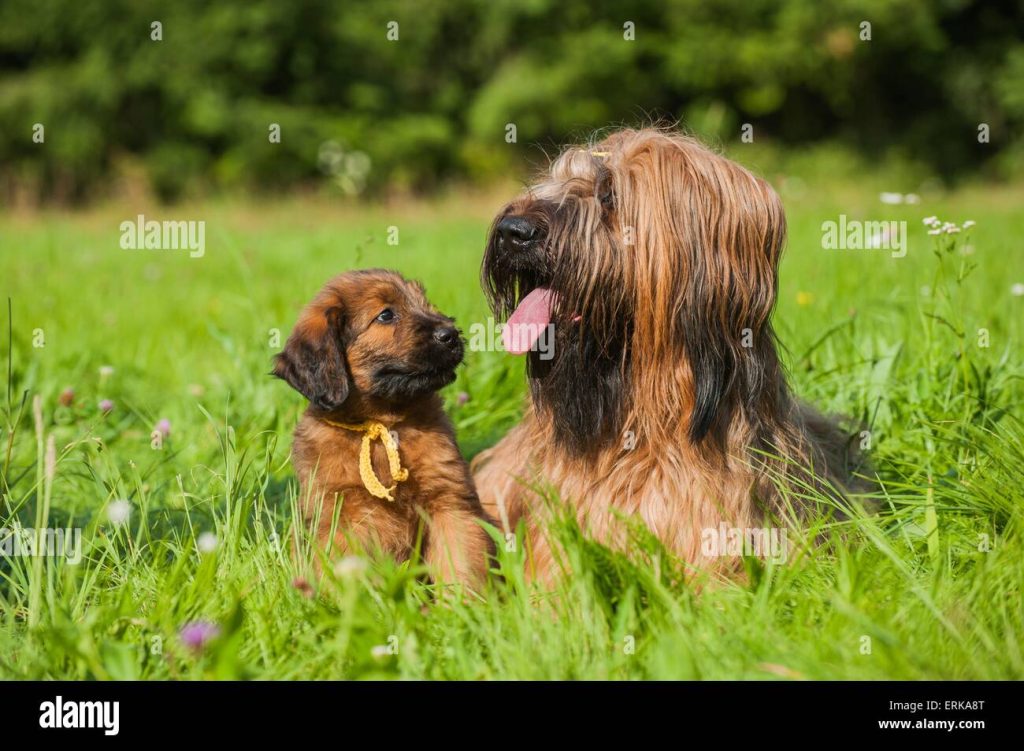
(375,447)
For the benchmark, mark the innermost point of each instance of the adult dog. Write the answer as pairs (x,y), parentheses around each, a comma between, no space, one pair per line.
(655,261)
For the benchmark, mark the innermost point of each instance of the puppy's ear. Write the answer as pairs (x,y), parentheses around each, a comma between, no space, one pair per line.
(313,360)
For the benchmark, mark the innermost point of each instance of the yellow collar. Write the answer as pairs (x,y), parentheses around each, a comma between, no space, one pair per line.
(372,430)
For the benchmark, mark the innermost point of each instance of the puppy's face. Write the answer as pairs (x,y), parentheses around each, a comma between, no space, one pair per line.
(371,333)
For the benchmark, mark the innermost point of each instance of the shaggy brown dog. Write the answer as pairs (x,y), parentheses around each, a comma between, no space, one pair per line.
(370,353)
(655,261)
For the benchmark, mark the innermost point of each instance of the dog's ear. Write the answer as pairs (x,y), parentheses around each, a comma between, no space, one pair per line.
(730,292)
(313,360)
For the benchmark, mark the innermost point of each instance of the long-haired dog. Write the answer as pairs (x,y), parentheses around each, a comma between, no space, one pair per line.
(655,261)
(375,453)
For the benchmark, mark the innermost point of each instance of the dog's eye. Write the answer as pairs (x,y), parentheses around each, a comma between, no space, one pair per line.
(603,190)
(386,316)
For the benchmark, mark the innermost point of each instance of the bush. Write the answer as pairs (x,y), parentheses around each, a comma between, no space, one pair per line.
(434,104)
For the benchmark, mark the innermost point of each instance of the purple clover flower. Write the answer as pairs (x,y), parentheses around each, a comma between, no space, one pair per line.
(197,634)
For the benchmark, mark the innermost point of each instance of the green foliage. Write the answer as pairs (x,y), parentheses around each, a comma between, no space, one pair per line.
(192,112)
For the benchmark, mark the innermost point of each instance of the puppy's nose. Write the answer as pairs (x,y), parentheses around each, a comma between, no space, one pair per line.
(447,335)
(516,232)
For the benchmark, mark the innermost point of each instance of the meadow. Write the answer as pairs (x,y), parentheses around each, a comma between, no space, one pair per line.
(158,433)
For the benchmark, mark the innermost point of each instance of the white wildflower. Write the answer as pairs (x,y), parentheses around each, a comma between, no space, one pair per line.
(118,511)
(350,565)
(206,542)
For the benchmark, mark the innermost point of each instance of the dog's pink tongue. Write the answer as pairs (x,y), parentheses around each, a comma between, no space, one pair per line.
(528,321)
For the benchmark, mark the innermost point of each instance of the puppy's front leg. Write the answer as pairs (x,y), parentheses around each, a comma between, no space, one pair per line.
(457,548)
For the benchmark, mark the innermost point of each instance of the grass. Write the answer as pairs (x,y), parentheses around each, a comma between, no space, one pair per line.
(928,588)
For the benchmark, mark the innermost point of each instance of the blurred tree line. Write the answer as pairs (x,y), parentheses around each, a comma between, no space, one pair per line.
(362,110)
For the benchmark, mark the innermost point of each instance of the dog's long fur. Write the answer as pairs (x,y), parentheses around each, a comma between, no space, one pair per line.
(353,367)
(665,398)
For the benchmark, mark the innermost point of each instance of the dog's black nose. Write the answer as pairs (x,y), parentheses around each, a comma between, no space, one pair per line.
(447,335)
(516,232)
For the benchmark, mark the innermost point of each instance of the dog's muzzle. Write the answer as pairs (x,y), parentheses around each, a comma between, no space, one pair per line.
(516,233)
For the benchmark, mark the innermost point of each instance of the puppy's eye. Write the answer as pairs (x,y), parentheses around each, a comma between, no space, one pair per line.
(386,316)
